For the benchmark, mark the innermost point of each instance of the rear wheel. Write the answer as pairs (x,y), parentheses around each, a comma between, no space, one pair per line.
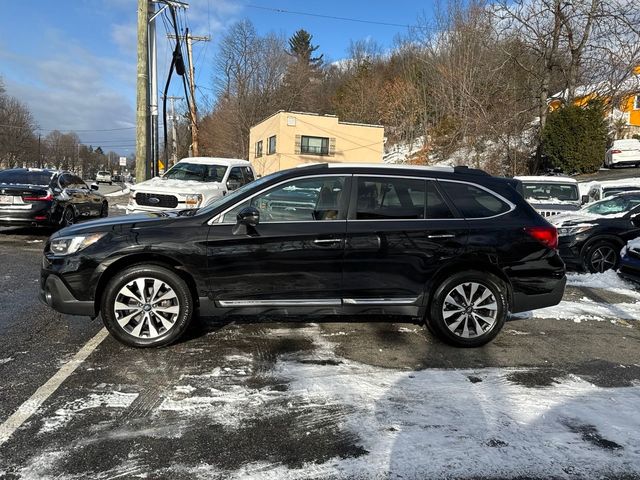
(68,217)
(601,256)
(469,309)
(147,306)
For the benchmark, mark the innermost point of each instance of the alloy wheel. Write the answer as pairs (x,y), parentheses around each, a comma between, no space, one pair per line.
(69,217)
(603,258)
(470,310)
(146,307)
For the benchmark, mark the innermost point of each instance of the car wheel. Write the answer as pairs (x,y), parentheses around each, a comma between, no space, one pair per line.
(68,217)
(469,309)
(147,306)
(110,183)
(104,210)
(601,256)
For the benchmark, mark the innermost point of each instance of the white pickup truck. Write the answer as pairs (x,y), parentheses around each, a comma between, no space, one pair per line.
(193,182)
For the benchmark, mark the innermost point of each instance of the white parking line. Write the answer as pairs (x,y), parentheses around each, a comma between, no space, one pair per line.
(31,405)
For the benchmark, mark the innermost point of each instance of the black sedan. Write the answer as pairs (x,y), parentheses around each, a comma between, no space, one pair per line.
(30,197)
(591,238)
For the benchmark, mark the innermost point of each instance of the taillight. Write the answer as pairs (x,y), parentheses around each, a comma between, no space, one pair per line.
(546,235)
(46,198)
(616,151)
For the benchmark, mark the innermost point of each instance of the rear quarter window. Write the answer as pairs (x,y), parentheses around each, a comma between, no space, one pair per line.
(474,202)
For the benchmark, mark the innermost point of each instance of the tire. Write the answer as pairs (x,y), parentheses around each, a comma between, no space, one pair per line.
(462,290)
(146,325)
(68,217)
(104,210)
(601,256)
(110,183)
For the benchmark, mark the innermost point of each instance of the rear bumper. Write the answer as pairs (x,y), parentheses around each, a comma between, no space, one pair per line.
(55,294)
(523,302)
(25,217)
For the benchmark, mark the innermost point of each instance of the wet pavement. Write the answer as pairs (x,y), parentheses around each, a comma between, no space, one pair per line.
(299,400)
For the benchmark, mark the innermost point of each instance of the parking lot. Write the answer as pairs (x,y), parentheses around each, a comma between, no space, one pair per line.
(556,395)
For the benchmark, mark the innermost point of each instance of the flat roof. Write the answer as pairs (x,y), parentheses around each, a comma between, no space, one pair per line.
(312,114)
(219,160)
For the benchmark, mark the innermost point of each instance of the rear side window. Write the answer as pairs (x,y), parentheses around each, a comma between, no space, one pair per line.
(390,198)
(472,201)
(436,206)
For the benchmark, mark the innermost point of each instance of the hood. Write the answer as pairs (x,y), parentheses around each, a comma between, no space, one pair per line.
(119,223)
(162,185)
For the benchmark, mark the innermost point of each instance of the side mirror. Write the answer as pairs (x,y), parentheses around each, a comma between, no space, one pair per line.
(94,186)
(246,221)
(584,199)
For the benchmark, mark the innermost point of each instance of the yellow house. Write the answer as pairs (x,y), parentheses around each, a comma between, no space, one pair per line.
(288,139)
(627,108)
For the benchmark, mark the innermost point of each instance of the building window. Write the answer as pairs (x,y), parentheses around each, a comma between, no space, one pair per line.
(259,149)
(636,103)
(314,145)
(272,145)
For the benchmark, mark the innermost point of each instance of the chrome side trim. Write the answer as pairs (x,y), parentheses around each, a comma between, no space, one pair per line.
(320,302)
(380,301)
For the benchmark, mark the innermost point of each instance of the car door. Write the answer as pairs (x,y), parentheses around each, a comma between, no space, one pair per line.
(84,194)
(400,230)
(293,257)
(71,194)
(93,199)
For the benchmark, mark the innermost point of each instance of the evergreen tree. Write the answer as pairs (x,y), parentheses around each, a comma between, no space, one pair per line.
(302,49)
(575,138)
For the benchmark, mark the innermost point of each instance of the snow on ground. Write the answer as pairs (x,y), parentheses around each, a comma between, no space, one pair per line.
(124,191)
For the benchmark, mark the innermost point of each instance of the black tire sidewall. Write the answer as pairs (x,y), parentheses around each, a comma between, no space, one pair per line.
(150,271)
(104,210)
(437,324)
(588,252)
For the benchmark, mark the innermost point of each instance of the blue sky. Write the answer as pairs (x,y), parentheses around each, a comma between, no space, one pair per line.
(73,62)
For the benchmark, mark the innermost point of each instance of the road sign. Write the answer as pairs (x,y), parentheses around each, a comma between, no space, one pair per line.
(123,161)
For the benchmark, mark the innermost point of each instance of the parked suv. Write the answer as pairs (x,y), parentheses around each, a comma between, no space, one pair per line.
(104,177)
(453,248)
(191,183)
(551,195)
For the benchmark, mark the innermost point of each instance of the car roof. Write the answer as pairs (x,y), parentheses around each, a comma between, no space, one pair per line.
(215,161)
(545,179)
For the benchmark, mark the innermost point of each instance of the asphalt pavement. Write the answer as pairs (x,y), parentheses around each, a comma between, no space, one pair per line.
(127,413)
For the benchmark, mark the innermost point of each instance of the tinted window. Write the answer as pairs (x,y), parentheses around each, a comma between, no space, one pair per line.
(306,199)
(473,202)
(66,181)
(436,206)
(196,171)
(77,182)
(248,174)
(26,177)
(396,198)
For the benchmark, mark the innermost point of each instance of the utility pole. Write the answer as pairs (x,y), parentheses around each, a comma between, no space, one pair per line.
(174,132)
(142,93)
(192,86)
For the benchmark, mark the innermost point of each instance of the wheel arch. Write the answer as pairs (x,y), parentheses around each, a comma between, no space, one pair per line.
(607,237)
(462,265)
(144,259)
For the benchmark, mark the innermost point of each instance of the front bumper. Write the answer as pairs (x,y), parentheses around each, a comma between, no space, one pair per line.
(55,294)
(570,250)
(630,268)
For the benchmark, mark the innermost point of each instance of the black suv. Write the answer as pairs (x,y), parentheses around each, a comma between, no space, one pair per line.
(454,248)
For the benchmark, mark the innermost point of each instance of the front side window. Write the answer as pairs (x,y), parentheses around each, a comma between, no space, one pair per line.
(235,179)
(314,145)
(259,148)
(472,201)
(272,145)
(196,171)
(308,199)
(248,174)
(396,198)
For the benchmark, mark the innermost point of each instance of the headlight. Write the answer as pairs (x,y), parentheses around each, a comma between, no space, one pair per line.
(193,200)
(69,245)
(566,231)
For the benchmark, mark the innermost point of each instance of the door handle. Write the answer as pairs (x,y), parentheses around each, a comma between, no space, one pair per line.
(326,241)
(444,235)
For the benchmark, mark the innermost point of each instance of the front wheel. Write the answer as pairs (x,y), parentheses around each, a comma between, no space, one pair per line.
(147,306)
(469,309)
(601,256)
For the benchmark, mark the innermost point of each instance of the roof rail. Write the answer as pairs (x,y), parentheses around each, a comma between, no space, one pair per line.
(470,171)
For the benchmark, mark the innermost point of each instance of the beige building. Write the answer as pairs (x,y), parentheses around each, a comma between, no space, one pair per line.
(288,139)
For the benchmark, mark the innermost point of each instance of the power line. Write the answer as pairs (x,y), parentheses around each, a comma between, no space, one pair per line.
(68,129)
(332,17)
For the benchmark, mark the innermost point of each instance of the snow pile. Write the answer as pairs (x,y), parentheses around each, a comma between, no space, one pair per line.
(607,280)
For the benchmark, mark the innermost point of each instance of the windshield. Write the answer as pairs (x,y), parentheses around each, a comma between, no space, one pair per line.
(196,171)
(26,177)
(615,205)
(551,191)
(236,194)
